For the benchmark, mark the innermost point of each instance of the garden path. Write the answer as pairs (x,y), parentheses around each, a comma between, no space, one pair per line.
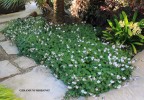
(21,73)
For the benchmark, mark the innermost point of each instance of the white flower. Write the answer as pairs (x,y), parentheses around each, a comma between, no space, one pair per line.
(111,81)
(98,81)
(118,76)
(94,78)
(109,84)
(115,64)
(96,89)
(127,66)
(101,56)
(122,60)
(99,73)
(124,78)
(83,91)
(72,56)
(113,46)
(76,87)
(82,60)
(132,67)
(122,69)
(120,81)
(122,24)
(112,74)
(73,82)
(84,79)
(95,67)
(92,58)
(72,60)
(69,87)
(119,86)
(68,46)
(99,50)
(99,64)
(70,65)
(90,94)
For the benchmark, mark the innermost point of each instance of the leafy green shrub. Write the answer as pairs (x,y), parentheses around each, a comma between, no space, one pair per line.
(7,94)
(125,32)
(85,64)
(12,4)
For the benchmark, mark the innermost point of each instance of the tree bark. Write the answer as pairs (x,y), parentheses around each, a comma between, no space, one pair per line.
(58,11)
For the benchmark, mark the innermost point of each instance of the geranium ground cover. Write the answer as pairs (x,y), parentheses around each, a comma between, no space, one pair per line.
(74,54)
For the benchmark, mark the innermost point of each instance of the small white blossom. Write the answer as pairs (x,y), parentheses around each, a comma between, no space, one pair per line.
(74,83)
(99,73)
(98,81)
(96,89)
(124,78)
(111,81)
(69,87)
(119,86)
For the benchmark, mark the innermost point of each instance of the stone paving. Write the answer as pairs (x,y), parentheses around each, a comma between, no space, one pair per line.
(19,73)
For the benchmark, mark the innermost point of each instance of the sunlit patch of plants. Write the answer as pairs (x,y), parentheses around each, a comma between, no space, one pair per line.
(74,54)
(7,94)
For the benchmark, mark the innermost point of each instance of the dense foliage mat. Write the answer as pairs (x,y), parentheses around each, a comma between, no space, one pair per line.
(74,54)
(7,94)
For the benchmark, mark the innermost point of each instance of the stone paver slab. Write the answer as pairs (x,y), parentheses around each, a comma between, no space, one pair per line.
(7,69)
(3,55)
(38,78)
(2,37)
(25,62)
(9,47)
(138,60)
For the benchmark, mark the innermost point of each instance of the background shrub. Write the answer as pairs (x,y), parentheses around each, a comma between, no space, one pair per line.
(96,12)
(74,54)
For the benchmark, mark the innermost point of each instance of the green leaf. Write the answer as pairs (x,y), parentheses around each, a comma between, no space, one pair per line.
(125,18)
(141,36)
(141,23)
(117,33)
(121,17)
(129,32)
(134,48)
(135,16)
(109,38)
(110,23)
(117,24)
(137,43)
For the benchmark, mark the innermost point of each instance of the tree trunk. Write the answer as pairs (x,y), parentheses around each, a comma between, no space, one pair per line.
(58,11)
